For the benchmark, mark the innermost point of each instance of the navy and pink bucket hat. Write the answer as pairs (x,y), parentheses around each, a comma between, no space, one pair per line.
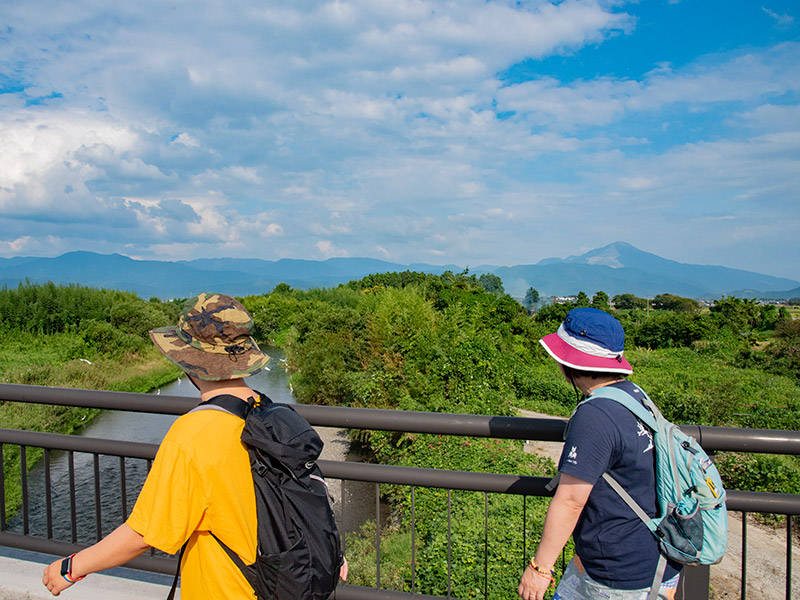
(589,340)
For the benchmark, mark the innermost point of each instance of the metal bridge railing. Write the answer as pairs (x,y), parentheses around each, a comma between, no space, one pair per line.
(120,453)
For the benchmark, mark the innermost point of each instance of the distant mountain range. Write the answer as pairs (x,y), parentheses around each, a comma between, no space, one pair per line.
(616,269)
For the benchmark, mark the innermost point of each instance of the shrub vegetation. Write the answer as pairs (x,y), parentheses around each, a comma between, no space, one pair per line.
(73,336)
(448,343)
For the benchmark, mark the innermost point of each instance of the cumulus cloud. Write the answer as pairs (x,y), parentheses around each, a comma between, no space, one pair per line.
(360,127)
(328,250)
(18,246)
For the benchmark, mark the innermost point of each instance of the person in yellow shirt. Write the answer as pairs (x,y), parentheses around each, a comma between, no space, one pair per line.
(201,479)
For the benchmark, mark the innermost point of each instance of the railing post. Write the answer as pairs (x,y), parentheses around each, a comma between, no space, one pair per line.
(789,540)
(694,583)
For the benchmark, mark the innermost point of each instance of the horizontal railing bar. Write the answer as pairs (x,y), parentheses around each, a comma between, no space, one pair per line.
(330,416)
(734,439)
(60,441)
(713,439)
(520,428)
(129,401)
(156,564)
(436,478)
(763,502)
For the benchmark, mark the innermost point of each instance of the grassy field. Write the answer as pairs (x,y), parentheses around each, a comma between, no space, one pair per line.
(50,361)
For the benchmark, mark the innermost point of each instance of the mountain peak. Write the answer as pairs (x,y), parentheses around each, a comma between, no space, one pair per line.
(616,255)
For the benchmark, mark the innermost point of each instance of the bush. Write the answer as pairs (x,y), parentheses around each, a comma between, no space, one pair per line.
(667,329)
(760,473)
(104,338)
(553,314)
(138,318)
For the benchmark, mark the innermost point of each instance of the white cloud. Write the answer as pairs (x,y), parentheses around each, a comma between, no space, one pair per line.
(781,20)
(328,250)
(374,125)
(18,246)
(186,139)
(750,77)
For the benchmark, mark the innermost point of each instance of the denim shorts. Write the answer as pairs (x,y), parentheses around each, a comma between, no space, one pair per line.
(575,584)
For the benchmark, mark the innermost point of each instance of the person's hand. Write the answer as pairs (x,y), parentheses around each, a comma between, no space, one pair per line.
(343,569)
(533,585)
(53,580)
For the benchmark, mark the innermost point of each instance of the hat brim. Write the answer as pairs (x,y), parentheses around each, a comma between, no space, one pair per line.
(565,354)
(207,365)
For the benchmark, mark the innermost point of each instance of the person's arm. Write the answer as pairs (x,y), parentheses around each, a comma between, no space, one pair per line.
(562,516)
(117,548)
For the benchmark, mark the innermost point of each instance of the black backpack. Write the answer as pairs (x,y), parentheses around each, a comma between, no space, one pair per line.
(299,552)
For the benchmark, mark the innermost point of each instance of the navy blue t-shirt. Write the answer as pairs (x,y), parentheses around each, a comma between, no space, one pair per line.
(615,547)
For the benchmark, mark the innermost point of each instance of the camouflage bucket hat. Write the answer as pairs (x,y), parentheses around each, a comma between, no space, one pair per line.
(213,339)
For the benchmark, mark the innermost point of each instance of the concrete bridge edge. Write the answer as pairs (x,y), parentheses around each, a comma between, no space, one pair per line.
(21,579)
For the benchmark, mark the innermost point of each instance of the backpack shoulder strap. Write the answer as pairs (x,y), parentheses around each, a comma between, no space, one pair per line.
(232,404)
(629,402)
(646,417)
(644,414)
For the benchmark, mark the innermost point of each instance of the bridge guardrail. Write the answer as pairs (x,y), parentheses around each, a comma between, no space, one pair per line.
(712,439)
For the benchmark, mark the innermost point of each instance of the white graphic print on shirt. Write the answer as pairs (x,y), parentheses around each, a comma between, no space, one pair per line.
(572,457)
(645,431)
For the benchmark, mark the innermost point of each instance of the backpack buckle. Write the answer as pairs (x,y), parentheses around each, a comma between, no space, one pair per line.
(260,468)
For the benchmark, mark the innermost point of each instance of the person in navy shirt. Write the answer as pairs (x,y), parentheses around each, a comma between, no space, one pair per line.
(615,554)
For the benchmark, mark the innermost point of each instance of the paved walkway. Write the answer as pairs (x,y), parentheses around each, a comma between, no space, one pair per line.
(21,579)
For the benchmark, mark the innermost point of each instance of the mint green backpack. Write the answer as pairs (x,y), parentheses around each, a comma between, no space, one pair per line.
(692,522)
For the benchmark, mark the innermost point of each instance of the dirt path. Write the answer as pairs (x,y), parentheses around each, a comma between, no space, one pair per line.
(336,446)
(766,549)
(766,563)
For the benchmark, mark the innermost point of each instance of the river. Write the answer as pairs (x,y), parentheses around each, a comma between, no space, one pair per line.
(146,428)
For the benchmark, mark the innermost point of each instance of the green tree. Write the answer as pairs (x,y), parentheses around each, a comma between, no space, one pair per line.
(675,303)
(784,350)
(582,300)
(628,302)
(600,300)
(531,299)
(667,329)
(491,283)
(282,288)
(554,313)
(740,315)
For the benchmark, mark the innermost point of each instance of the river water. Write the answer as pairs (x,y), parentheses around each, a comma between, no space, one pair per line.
(146,428)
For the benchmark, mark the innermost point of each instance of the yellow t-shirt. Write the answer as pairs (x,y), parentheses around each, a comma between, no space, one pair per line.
(201,482)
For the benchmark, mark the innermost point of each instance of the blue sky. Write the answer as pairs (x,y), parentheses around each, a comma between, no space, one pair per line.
(468,132)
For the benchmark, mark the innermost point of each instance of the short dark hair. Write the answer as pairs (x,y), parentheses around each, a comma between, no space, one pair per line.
(571,372)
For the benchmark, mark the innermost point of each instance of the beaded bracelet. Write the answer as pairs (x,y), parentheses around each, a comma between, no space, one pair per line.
(548,574)
(66,570)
